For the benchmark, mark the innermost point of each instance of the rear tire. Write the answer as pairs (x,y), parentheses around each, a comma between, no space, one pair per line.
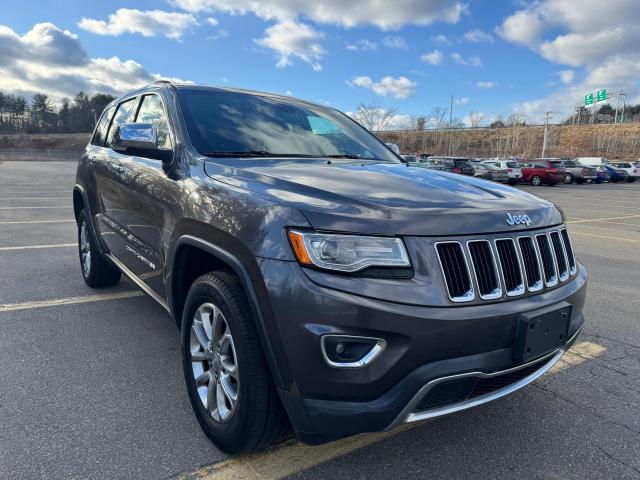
(246,414)
(97,271)
(536,181)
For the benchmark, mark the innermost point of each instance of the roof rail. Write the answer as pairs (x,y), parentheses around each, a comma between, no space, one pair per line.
(163,82)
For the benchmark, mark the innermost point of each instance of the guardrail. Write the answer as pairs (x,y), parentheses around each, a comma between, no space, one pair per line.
(35,154)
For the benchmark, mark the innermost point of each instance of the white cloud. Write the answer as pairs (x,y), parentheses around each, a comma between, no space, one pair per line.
(361,45)
(478,36)
(522,28)
(385,15)
(212,21)
(433,58)
(473,61)
(486,85)
(400,87)
(53,61)
(603,37)
(441,40)
(462,101)
(394,41)
(566,76)
(148,23)
(292,39)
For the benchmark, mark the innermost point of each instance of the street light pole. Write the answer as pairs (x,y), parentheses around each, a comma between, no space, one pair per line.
(547,116)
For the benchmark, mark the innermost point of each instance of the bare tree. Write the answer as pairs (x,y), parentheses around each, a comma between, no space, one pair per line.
(437,117)
(373,116)
(475,119)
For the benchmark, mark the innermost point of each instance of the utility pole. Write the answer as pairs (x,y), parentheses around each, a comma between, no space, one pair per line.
(615,119)
(450,122)
(624,102)
(547,116)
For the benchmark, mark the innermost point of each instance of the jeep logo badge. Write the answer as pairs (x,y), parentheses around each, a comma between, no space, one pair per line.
(518,219)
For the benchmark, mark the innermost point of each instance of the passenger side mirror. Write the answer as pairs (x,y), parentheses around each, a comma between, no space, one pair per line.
(138,136)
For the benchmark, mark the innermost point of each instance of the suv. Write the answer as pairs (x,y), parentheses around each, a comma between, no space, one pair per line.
(574,172)
(511,166)
(542,170)
(319,284)
(450,164)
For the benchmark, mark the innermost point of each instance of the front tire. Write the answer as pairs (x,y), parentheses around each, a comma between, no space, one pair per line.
(96,270)
(568,179)
(227,378)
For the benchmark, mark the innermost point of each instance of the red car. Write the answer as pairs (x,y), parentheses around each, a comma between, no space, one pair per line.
(542,170)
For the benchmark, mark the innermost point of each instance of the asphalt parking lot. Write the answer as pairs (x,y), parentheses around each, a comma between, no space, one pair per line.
(91,382)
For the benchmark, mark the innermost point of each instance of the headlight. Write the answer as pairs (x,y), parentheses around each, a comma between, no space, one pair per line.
(348,253)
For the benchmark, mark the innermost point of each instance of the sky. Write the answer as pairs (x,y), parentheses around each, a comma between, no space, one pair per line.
(495,57)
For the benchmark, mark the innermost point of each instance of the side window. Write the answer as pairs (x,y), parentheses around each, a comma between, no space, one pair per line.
(100,135)
(152,111)
(123,113)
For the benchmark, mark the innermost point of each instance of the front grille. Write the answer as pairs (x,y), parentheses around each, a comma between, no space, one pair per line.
(455,270)
(458,390)
(506,266)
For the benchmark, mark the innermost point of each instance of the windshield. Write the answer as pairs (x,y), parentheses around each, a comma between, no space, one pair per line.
(222,123)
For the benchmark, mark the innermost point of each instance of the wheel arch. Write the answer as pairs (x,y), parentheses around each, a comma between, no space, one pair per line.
(209,256)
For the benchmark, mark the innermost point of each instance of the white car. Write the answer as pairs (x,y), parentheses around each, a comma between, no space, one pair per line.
(511,166)
(630,168)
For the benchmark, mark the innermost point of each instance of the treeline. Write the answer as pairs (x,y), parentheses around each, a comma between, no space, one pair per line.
(38,114)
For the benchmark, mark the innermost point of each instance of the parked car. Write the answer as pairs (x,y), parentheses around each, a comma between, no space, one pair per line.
(616,174)
(497,174)
(542,171)
(511,166)
(602,175)
(479,169)
(330,298)
(575,172)
(632,170)
(410,158)
(450,164)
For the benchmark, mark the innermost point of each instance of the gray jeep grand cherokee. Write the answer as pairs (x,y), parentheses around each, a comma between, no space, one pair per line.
(319,282)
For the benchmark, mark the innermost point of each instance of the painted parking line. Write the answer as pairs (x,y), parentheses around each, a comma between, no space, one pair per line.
(18,222)
(292,457)
(35,247)
(12,307)
(35,208)
(608,237)
(602,219)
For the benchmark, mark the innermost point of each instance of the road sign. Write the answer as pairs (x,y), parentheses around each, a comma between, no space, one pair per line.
(601,96)
(588,99)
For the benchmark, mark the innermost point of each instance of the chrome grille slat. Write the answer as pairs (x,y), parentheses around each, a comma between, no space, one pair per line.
(509,266)
(453,263)
(562,264)
(484,269)
(531,262)
(569,250)
(548,262)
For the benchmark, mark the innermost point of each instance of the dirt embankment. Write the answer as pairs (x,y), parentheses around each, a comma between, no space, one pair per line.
(47,141)
(611,141)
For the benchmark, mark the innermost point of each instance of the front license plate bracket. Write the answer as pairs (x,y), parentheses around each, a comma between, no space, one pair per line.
(541,331)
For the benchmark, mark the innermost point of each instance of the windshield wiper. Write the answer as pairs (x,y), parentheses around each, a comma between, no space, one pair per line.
(243,153)
(345,155)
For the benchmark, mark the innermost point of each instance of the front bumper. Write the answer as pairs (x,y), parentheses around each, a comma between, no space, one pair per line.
(424,345)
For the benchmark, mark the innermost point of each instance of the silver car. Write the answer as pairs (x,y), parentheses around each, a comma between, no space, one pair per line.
(511,166)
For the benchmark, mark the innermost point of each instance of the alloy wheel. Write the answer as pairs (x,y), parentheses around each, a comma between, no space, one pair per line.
(214,362)
(85,249)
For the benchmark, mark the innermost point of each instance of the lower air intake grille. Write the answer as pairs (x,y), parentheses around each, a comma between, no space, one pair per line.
(456,273)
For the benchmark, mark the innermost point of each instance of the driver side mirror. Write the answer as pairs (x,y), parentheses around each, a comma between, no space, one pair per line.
(139,136)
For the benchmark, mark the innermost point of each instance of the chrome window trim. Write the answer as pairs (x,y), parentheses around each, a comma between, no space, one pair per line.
(520,289)
(470,294)
(408,415)
(497,293)
(369,357)
(539,285)
(554,278)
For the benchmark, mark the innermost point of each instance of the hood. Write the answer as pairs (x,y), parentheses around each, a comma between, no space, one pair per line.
(386,198)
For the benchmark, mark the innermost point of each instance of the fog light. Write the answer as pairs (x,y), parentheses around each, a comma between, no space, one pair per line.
(345,351)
